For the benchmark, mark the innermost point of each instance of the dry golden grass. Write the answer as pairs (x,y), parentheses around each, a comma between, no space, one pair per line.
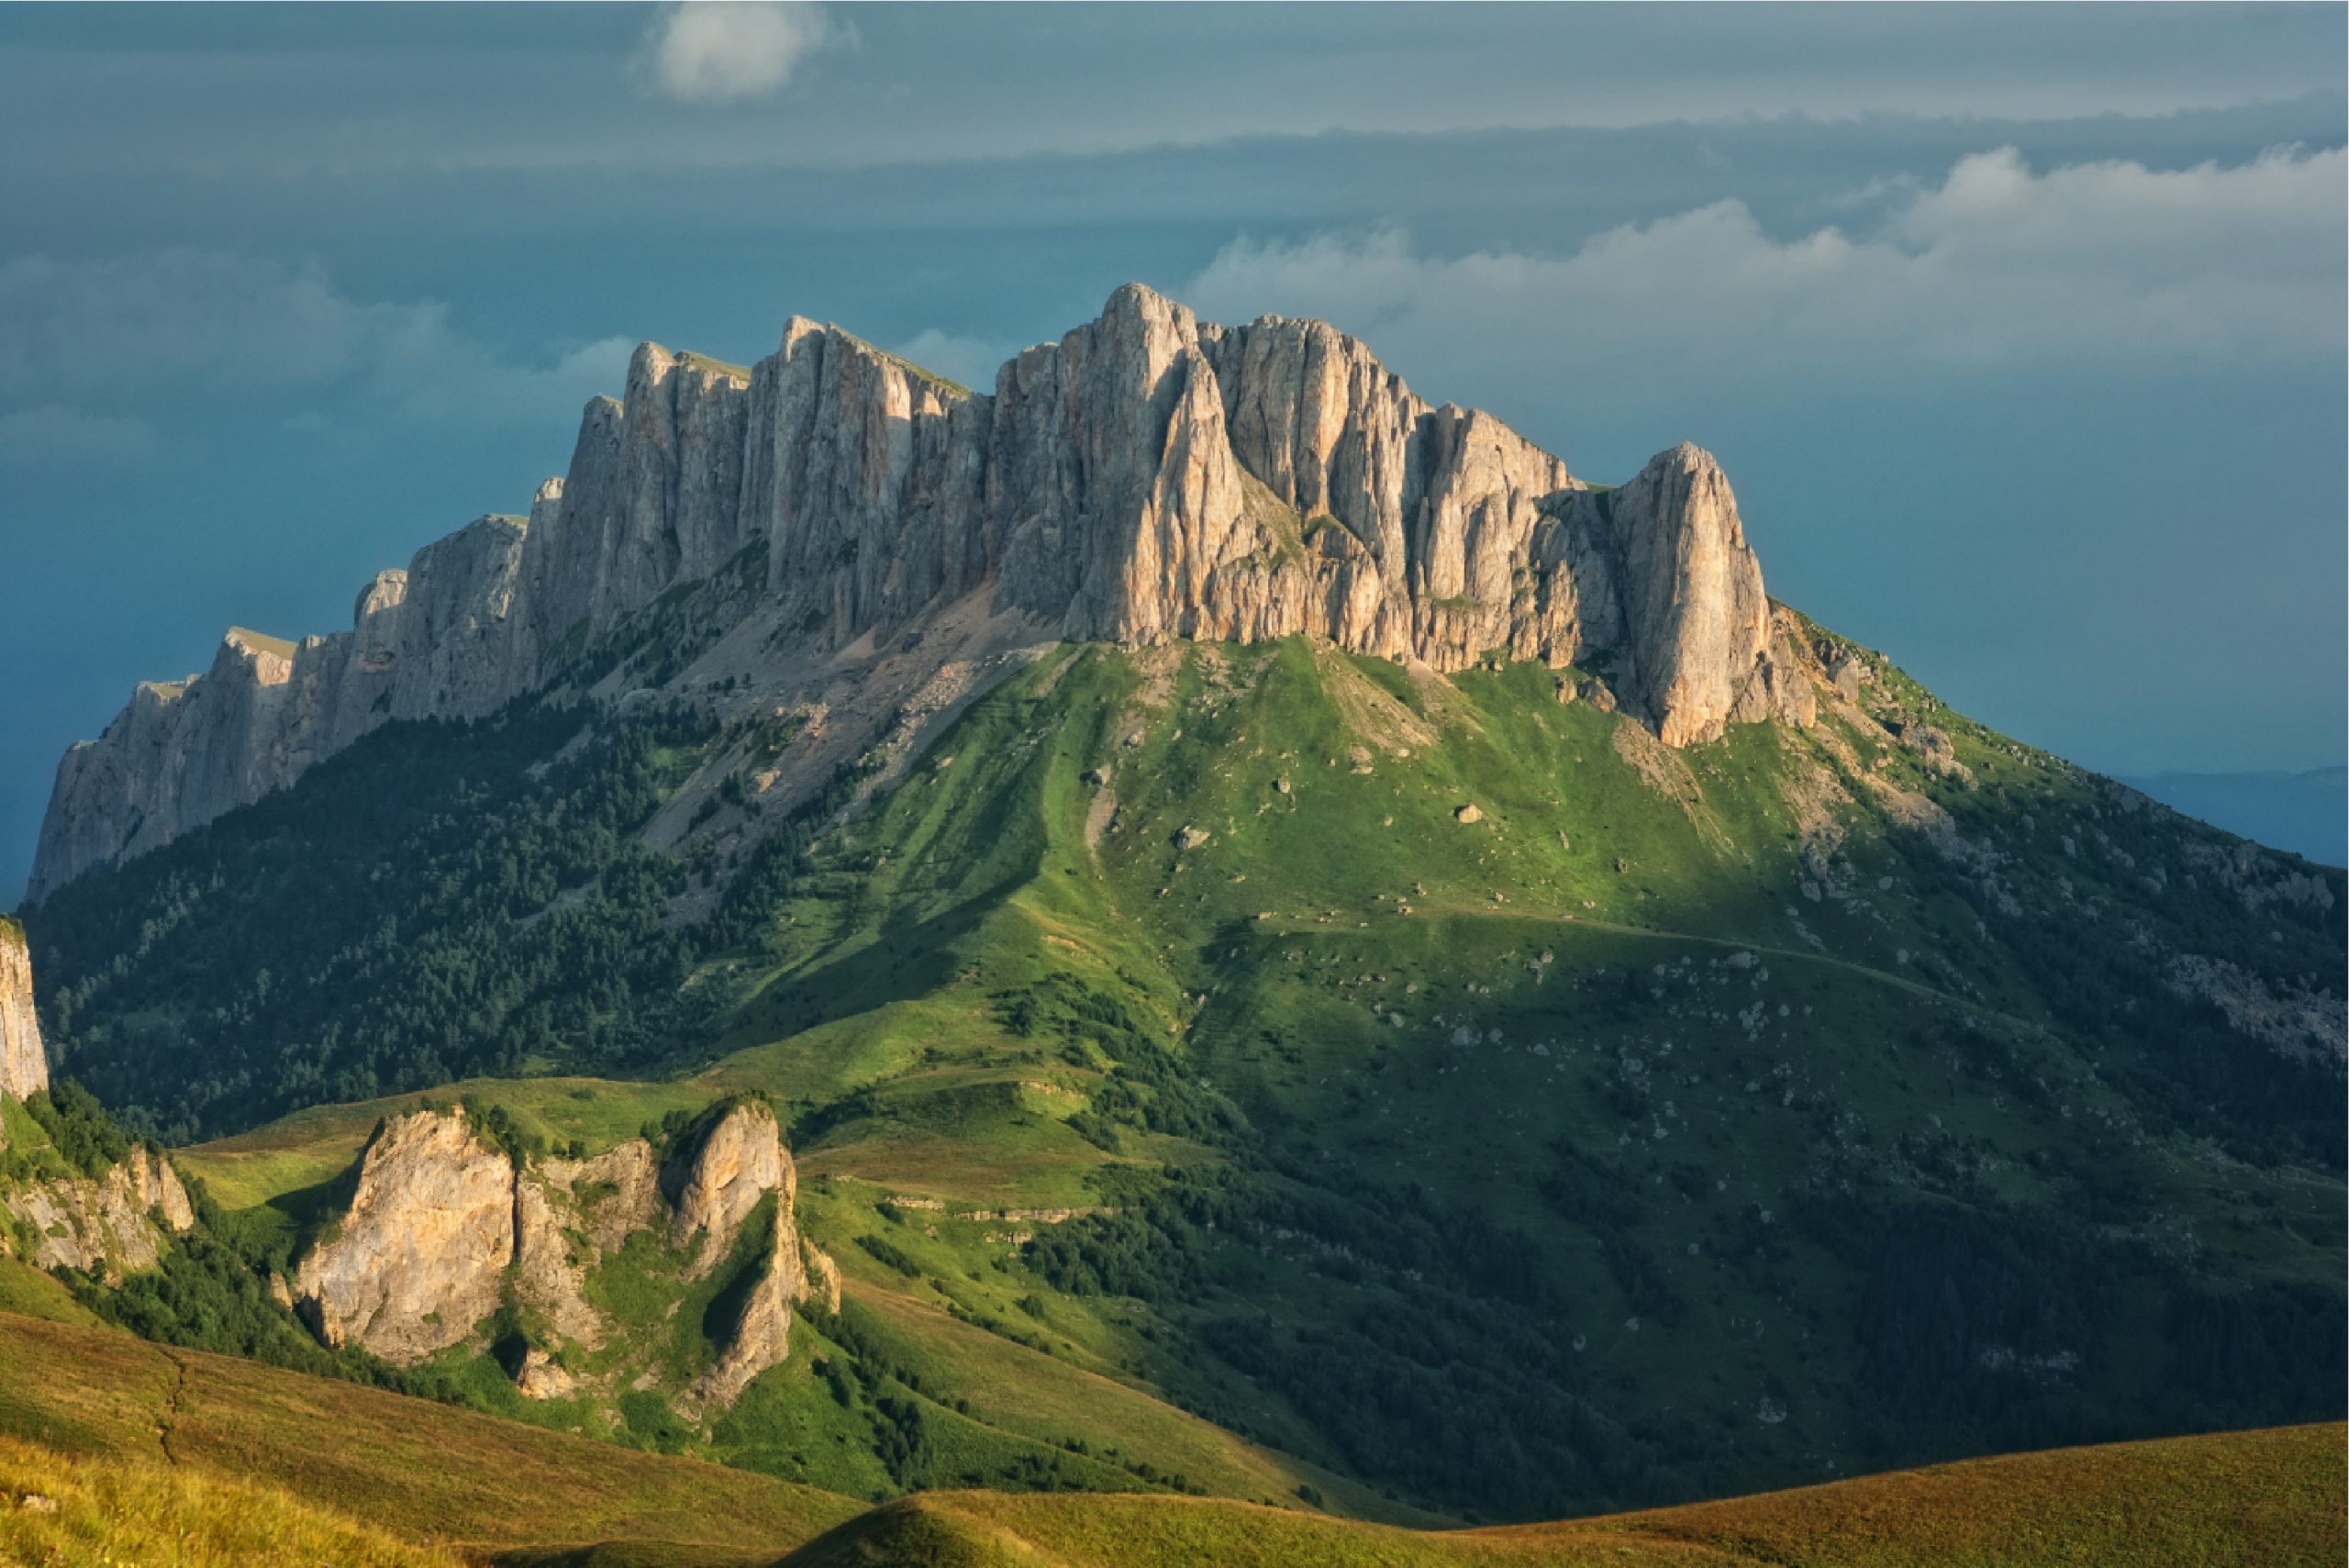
(83,1512)
(423,1470)
(157,1456)
(2258,1499)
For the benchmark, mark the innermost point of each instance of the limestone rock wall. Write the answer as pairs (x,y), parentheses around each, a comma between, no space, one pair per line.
(442,1226)
(760,1335)
(1149,476)
(24,1063)
(421,1255)
(866,479)
(718,1182)
(111,1225)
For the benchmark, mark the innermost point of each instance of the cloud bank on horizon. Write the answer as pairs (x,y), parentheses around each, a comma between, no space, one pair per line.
(1995,264)
(204,324)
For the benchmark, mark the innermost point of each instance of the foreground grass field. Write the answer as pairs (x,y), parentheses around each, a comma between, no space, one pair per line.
(77,1512)
(157,1456)
(2271,1498)
(427,1472)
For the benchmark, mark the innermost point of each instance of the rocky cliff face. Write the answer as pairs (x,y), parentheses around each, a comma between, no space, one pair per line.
(422,1253)
(111,1225)
(443,1231)
(24,1064)
(760,1336)
(1150,477)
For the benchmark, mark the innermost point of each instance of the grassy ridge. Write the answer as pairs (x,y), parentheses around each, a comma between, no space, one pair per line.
(2256,1499)
(181,1457)
(423,1470)
(2232,1501)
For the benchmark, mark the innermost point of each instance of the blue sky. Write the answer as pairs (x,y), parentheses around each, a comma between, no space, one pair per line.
(2020,329)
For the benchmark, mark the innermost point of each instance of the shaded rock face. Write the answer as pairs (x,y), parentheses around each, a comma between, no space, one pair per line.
(24,1063)
(602,1201)
(110,1226)
(548,1272)
(760,1337)
(443,1230)
(1150,477)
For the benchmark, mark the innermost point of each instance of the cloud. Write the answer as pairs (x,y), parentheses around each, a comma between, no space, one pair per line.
(970,361)
(462,380)
(51,435)
(137,332)
(719,53)
(1995,265)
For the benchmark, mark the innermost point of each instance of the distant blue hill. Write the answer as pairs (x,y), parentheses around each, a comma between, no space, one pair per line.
(2307,813)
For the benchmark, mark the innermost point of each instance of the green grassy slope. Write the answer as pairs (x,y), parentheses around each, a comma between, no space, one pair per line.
(1195,1101)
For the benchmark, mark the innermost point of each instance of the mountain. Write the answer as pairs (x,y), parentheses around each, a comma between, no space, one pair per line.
(1150,477)
(1289,949)
(2305,812)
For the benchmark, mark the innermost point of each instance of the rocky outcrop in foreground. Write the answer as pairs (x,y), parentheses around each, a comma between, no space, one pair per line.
(422,1253)
(1150,477)
(444,1229)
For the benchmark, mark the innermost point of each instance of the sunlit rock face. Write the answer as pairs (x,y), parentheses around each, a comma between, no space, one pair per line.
(1149,477)
(442,1226)
(421,1254)
(24,1063)
(109,1225)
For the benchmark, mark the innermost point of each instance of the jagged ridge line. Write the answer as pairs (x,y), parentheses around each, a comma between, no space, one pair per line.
(1149,477)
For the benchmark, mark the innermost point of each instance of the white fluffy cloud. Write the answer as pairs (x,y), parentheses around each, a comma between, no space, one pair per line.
(743,50)
(1997,265)
(969,359)
(88,341)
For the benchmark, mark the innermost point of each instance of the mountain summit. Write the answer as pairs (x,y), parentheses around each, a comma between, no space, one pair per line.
(1150,477)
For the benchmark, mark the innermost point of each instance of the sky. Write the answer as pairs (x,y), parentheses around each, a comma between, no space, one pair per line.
(2019,330)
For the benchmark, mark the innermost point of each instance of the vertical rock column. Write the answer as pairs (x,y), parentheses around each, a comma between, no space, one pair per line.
(24,1065)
